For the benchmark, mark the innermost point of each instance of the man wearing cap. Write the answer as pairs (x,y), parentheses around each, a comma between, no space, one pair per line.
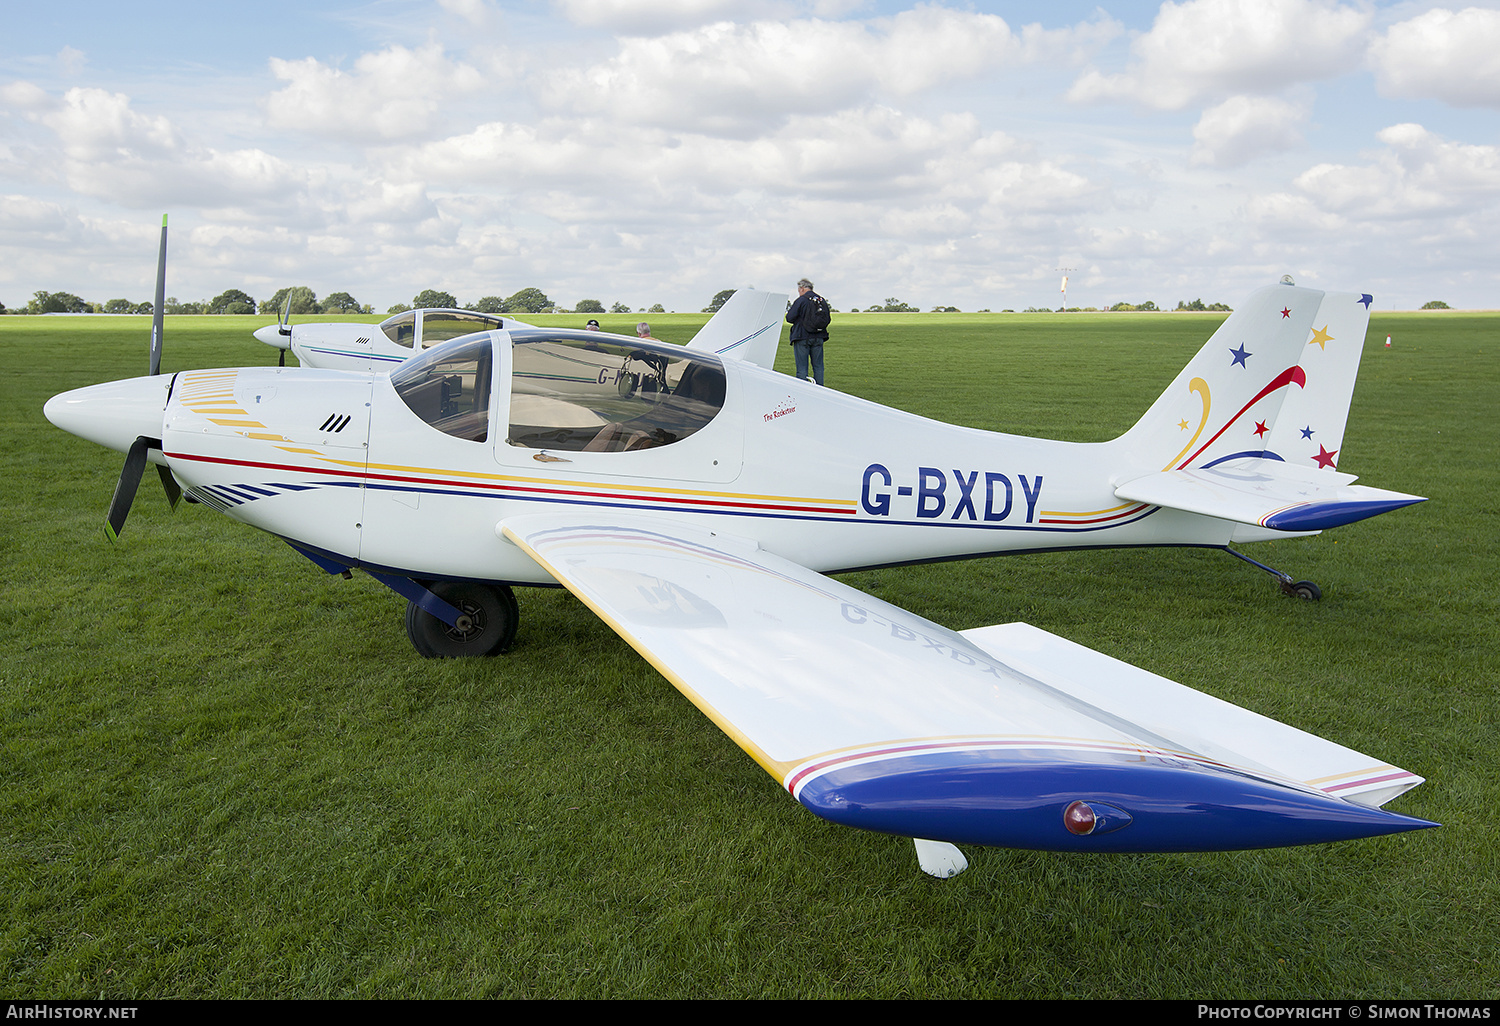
(809,316)
(592,325)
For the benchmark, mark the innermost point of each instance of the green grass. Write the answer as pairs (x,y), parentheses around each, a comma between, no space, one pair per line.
(226,774)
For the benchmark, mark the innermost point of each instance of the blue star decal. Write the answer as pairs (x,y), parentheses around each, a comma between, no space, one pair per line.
(1240,356)
(1367,299)
(1307,432)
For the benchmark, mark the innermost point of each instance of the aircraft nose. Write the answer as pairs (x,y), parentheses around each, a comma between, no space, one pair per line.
(271,335)
(115,413)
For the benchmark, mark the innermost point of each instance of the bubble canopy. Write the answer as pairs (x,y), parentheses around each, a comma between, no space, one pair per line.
(570,391)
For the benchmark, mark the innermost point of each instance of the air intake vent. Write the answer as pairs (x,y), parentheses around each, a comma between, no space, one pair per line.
(335,423)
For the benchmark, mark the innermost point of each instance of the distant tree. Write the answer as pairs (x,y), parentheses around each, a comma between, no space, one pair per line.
(619,308)
(490,304)
(1220,306)
(946,309)
(232,301)
(590,306)
(893,305)
(1196,304)
(144,308)
(528,300)
(340,302)
(657,308)
(57,302)
(173,305)
(304,301)
(427,299)
(720,298)
(1436,304)
(398,308)
(1147,305)
(119,306)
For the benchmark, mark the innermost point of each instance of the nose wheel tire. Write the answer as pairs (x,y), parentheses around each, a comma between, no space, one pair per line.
(486,628)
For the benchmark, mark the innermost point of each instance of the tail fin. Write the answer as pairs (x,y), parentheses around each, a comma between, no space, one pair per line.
(1274,381)
(1251,430)
(747,327)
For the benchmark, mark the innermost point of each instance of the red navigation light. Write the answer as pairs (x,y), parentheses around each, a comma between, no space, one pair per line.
(1079,818)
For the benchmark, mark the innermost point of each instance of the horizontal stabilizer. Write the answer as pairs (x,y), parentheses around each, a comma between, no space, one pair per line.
(1266,493)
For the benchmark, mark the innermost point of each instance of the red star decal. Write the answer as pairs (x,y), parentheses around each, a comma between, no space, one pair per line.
(1260,428)
(1286,312)
(1324,458)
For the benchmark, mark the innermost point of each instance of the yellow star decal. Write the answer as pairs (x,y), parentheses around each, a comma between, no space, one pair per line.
(1182,425)
(1321,336)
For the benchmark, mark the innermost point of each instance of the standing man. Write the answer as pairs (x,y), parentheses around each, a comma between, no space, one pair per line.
(809,316)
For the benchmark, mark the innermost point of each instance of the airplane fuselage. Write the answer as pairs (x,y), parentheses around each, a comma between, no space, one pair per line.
(338,463)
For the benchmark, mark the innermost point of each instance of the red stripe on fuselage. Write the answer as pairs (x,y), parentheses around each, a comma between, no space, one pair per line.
(509,488)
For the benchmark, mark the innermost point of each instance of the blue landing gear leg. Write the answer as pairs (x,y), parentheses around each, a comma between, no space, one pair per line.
(450,619)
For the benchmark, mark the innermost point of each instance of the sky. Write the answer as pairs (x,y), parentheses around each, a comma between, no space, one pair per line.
(658,151)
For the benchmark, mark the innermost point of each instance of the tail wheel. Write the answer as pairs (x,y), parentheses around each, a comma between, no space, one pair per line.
(486,628)
(1307,590)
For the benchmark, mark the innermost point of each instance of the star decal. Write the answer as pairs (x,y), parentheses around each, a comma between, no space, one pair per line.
(1307,432)
(1240,356)
(1321,336)
(1286,312)
(1366,299)
(1324,458)
(1182,425)
(1260,428)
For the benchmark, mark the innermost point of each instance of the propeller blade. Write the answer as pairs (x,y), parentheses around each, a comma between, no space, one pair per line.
(169,485)
(130,480)
(284,316)
(161,299)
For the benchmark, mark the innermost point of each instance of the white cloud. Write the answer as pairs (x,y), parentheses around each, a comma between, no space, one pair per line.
(476,12)
(1453,57)
(395,93)
(734,79)
(1243,128)
(106,149)
(1203,49)
(1418,175)
(641,17)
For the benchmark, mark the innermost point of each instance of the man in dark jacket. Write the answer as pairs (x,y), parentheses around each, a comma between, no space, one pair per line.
(809,316)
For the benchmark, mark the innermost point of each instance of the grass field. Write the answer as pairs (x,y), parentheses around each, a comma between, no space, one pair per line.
(226,774)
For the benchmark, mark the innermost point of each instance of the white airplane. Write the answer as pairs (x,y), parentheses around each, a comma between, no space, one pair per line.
(695,502)
(747,326)
(352,345)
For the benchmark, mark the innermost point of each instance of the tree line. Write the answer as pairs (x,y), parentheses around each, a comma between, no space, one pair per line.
(304,300)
